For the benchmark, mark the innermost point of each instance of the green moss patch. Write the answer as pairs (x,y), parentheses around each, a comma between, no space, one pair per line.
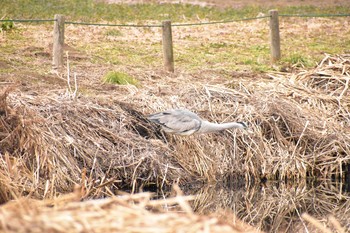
(120,78)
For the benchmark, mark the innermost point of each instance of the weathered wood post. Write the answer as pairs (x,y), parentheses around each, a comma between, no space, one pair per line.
(58,42)
(168,46)
(275,36)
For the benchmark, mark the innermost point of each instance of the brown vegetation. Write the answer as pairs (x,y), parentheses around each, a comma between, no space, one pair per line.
(52,140)
(127,213)
(300,128)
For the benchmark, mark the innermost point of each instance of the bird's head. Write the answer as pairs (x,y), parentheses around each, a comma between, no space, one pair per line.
(243,125)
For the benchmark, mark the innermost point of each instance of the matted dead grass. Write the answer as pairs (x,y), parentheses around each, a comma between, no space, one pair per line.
(124,213)
(51,141)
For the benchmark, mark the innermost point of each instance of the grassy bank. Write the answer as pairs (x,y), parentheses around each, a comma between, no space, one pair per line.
(232,46)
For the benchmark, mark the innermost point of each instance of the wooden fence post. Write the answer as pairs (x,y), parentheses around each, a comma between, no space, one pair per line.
(275,36)
(168,46)
(58,42)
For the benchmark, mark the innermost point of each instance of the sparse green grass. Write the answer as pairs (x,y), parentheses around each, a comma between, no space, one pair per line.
(114,32)
(248,51)
(91,10)
(221,55)
(232,51)
(298,60)
(127,53)
(306,47)
(6,26)
(119,78)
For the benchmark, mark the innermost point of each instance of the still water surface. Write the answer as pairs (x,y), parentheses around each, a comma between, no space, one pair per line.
(276,207)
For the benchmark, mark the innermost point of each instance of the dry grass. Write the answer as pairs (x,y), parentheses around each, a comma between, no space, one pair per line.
(50,142)
(63,142)
(125,213)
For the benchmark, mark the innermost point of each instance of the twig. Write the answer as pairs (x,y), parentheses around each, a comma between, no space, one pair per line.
(301,135)
(164,177)
(68,74)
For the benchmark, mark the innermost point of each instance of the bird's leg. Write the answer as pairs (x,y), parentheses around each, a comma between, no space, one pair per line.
(164,137)
(170,141)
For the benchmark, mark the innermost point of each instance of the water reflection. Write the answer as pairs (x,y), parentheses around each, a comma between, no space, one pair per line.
(277,207)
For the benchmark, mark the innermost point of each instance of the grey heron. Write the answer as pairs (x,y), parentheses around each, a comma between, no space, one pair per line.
(185,122)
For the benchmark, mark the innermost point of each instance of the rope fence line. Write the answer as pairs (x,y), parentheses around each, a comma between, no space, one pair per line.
(59,23)
(178,24)
(133,25)
(159,25)
(27,20)
(314,15)
(112,25)
(218,22)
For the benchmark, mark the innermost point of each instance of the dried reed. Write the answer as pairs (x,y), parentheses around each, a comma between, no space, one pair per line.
(126,213)
(300,125)
(49,143)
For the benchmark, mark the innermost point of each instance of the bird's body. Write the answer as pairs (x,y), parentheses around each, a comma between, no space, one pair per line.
(185,122)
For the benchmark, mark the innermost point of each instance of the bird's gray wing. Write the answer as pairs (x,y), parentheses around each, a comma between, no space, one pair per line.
(177,121)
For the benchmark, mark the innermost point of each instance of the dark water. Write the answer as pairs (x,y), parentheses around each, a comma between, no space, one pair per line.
(276,206)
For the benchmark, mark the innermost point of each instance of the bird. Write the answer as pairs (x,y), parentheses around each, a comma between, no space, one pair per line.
(185,122)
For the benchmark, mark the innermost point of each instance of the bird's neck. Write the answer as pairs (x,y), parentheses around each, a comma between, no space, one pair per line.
(208,127)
